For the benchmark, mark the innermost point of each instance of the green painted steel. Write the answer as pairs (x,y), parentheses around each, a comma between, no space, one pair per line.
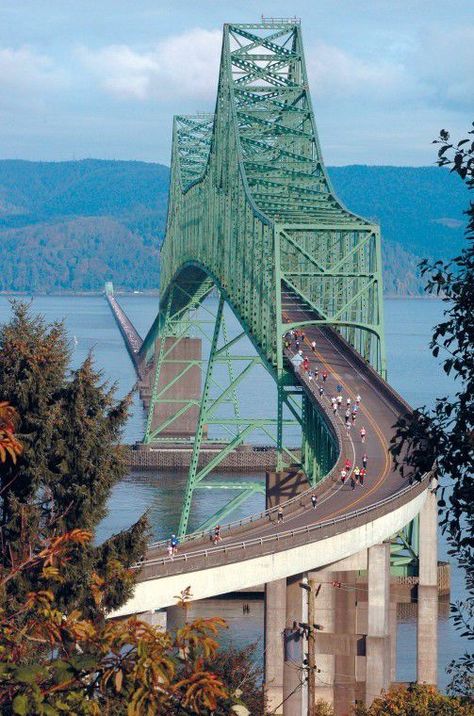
(252,212)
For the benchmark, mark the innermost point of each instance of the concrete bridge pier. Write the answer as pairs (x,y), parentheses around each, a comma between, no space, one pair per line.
(274,628)
(176,393)
(427,632)
(325,615)
(378,651)
(341,615)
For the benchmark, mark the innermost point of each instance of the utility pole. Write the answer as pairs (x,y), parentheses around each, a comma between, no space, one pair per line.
(311,649)
(310,629)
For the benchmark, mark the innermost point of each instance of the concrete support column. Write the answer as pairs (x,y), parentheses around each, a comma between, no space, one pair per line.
(295,688)
(378,654)
(186,388)
(275,622)
(393,641)
(325,615)
(427,634)
(345,657)
(157,619)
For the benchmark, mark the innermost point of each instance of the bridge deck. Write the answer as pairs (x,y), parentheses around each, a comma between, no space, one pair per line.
(132,338)
(379,408)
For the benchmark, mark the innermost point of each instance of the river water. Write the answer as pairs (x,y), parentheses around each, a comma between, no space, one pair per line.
(412,371)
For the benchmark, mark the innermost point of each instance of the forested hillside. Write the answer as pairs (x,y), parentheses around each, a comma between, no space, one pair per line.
(71,226)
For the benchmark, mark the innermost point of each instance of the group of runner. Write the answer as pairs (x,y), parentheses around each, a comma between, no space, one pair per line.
(295,340)
(214,536)
(356,475)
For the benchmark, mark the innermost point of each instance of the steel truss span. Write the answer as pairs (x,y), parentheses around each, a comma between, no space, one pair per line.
(253,218)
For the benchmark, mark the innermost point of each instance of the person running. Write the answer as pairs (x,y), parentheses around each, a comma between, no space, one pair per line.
(348,427)
(306,364)
(313,346)
(357,473)
(170,550)
(363,433)
(358,399)
(321,391)
(316,373)
(362,475)
(302,336)
(325,376)
(217,533)
(347,414)
(353,416)
(348,403)
(364,461)
(355,408)
(310,375)
(174,543)
(297,361)
(339,388)
(348,464)
(339,399)
(334,407)
(343,475)
(353,483)
(280,514)
(314,500)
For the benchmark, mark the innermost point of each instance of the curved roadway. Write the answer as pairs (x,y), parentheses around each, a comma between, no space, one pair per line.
(379,409)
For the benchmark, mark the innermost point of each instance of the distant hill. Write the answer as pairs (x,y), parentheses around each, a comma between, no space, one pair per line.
(71,226)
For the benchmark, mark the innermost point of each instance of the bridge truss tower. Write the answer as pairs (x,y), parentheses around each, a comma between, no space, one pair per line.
(252,215)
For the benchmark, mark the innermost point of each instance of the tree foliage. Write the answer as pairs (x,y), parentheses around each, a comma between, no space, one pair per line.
(447,432)
(58,653)
(69,428)
(54,662)
(416,700)
(241,674)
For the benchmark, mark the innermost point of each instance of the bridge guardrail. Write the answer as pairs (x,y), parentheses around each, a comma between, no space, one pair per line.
(416,487)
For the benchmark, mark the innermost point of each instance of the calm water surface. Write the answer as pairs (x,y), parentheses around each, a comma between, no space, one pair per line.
(412,371)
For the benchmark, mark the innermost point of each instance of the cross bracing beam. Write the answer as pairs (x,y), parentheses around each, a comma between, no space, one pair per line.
(253,212)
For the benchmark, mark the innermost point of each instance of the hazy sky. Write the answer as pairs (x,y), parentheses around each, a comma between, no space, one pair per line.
(103,78)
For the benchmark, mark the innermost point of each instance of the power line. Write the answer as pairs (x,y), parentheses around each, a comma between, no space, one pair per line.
(286,699)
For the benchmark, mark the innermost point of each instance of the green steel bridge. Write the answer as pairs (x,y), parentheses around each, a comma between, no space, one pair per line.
(254,223)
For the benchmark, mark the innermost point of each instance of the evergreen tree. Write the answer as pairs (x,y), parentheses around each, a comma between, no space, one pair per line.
(69,427)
